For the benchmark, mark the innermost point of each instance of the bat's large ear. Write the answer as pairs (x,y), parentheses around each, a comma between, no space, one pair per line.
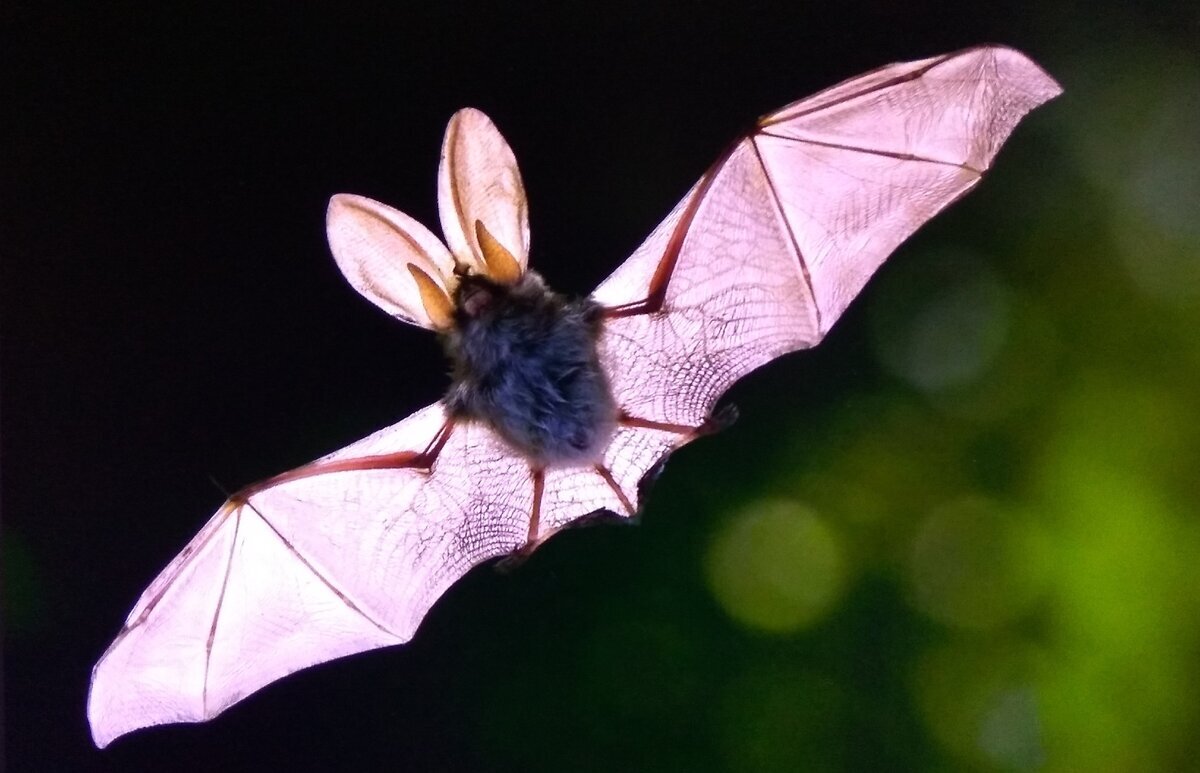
(392,260)
(481,199)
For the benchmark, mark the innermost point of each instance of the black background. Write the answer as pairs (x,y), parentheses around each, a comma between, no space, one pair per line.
(171,318)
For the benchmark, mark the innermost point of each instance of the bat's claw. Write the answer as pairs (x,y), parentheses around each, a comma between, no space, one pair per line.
(649,478)
(518,557)
(720,419)
(601,516)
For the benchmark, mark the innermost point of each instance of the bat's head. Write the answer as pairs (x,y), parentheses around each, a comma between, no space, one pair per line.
(524,360)
(402,267)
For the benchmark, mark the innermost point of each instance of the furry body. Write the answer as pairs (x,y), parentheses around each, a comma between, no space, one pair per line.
(525,362)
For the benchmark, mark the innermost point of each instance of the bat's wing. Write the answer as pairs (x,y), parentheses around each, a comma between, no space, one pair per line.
(341,556)
(338,557)
(764,253)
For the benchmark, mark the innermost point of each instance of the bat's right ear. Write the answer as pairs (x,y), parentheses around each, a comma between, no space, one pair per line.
(392,260)
(481,199)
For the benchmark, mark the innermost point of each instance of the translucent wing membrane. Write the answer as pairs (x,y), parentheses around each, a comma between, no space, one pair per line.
(957,109)
(765,252)
(735,299)
(310,570)
(857,170)
(760,258)
(323,566)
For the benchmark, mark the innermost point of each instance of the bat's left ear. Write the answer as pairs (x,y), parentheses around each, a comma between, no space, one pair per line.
(392,260)
(481,199)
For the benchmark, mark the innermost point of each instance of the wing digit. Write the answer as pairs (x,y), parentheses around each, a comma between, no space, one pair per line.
(858,170)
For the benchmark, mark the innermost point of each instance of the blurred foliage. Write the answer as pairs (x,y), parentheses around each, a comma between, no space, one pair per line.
(985,558)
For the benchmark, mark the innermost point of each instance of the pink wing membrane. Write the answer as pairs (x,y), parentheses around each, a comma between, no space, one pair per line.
(793,221)
(635,451)
(859,167)
(957,108)
(312,570)
(573,492)
(330,565)
(736,299)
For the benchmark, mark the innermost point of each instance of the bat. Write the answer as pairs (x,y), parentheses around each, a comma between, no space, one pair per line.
(558,408)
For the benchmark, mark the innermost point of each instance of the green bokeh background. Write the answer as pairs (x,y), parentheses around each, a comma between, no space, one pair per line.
(960,535)
(985,556)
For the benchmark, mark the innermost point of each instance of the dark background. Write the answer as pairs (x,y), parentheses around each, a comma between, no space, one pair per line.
(171,318)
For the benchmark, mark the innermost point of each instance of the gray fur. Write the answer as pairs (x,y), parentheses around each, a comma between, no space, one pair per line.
(525,362)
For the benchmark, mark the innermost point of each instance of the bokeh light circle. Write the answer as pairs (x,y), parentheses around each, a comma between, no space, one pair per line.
(981,702)
(942,322)
(775,566)
(973,565)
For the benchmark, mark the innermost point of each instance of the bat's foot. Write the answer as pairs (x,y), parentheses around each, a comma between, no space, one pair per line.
(515,559)
(722,418)
(650,478)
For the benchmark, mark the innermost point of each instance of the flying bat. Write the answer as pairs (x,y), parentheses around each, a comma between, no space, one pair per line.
(558,408)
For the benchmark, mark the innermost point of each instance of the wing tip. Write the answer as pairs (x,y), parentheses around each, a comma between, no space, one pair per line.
(1041,86)
(103,730)
(101,734)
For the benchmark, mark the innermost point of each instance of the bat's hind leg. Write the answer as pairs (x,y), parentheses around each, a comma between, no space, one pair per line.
(608,478)
(717,421)
(538,476)
(534,539)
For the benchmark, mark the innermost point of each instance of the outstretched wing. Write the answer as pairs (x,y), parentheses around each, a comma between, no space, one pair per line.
(767,249)
(311,568)
(344,555)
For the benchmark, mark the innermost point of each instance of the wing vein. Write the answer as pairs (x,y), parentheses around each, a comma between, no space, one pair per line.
(791,234)
(371,618)
(212,630)
(780,116)
(871,151)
